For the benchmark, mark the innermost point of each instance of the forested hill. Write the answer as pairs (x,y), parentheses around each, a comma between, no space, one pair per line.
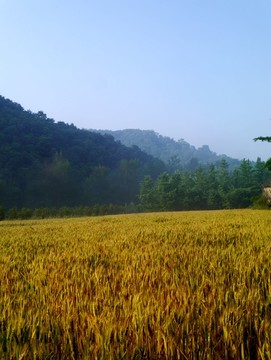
(177,154)
(48,163)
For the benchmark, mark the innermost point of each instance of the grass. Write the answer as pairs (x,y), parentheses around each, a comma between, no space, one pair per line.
(187,285)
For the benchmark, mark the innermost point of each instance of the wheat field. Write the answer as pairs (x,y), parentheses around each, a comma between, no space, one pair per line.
(187,285)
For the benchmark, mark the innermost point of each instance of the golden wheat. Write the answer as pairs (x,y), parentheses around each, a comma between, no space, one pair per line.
(188,285)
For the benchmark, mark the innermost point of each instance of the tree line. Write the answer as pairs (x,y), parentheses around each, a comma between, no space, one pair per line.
(24,213)
(50,168)
(206,188)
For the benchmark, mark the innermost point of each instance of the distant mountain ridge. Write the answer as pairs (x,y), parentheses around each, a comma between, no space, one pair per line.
(52,165)
(175,153)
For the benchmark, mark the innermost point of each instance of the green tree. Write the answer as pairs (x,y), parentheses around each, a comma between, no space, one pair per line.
(200,189)
(242,176)
(177,185)
(266,139)
(147,194)
(214,200)
(261,175)
(13,213)
(188,184)
(239,198)
(224,181)
(165,192)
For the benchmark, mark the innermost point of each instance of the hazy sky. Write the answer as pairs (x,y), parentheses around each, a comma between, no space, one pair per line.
(193,69)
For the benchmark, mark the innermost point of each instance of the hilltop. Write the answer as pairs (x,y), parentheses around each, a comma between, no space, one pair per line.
(177,154)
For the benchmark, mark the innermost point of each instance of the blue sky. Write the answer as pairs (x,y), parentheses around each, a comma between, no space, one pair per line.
(199,70)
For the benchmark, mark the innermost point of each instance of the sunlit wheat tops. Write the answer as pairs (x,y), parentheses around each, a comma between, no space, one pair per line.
(152,286)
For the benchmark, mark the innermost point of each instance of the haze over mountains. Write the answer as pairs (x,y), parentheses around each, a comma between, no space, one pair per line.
(49,164)
(176,154)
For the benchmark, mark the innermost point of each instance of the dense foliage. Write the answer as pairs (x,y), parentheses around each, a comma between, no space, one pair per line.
(44,163)
(267,139)
(176,154)
(205,188)
(59,169)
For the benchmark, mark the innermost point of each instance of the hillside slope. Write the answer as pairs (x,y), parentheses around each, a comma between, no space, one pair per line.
(178,154)
(48,163)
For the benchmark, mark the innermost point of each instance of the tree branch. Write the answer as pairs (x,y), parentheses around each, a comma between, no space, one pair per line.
(263,138)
